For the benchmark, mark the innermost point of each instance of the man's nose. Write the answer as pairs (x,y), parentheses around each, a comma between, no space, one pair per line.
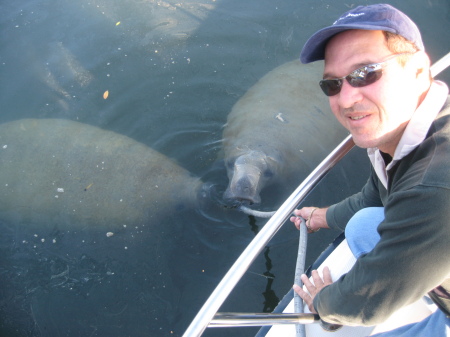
(349,96)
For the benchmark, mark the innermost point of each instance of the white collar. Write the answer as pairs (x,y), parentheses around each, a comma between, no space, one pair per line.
(415,132)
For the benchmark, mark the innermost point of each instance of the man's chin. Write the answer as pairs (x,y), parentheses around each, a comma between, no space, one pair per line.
(364,142)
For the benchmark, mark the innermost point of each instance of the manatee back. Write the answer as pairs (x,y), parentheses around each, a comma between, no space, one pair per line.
(285,113)
(71,174)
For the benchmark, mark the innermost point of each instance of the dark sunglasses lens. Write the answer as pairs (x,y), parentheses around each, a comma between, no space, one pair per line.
(331,87)
(367,78)
(359,78)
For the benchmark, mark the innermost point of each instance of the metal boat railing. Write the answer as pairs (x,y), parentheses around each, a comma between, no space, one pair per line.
(234,319)
(235,273)
(209,309)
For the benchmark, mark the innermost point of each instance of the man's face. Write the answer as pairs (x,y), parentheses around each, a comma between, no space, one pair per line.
(376,115)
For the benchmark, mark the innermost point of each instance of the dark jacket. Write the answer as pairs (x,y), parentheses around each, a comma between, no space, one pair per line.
(413,255)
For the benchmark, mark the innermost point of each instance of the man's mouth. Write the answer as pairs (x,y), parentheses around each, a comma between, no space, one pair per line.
(355,118)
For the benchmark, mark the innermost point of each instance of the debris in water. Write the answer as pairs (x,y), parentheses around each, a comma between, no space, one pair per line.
(280,117)
(106,94)
(109,234)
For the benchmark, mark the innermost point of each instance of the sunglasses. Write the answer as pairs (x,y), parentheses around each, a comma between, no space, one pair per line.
(358,78)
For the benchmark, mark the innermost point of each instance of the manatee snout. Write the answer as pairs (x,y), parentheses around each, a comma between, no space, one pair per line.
(243,190)
(247,174)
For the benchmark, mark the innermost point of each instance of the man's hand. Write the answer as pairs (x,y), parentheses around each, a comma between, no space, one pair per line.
(315,288)
(317,221)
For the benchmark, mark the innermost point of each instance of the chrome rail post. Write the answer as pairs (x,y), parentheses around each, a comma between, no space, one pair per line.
(234,319)
(440,65)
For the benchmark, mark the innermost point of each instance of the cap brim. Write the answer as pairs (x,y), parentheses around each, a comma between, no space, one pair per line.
(314,48)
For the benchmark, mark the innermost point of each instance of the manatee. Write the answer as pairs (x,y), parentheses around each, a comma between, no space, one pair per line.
(56,171)
(278,132)
(89,219)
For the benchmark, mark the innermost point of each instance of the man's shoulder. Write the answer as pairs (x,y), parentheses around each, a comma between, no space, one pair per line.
(435,151)
(439,132)
(442,119)
(429,164)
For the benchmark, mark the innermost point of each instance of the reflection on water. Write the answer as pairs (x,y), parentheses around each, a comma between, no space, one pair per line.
(173,70)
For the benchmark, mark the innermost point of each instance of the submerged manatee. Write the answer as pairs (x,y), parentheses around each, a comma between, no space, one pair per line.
(74,175)
(88,217)
(278,131)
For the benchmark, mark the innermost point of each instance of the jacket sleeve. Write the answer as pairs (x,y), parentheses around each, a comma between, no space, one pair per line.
(339,214)
(410,259)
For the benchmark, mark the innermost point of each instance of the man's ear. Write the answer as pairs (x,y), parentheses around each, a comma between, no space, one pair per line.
(421,62)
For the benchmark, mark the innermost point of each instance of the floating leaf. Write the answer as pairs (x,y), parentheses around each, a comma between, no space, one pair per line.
(106,94)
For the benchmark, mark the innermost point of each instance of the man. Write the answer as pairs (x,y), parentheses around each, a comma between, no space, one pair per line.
(376,74)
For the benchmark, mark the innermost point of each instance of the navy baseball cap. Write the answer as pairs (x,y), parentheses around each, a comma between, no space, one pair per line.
(373,17)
